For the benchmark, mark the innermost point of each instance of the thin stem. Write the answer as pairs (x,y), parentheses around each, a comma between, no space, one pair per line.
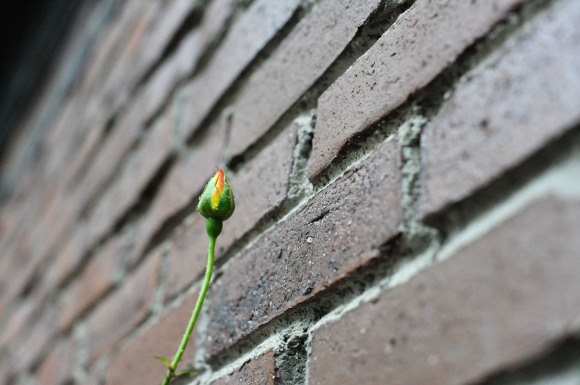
(195,314)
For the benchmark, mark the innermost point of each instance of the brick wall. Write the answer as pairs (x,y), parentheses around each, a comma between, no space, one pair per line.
(407,180)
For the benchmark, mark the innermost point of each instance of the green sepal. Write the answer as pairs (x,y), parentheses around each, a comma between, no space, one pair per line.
(213,227)
(204,206)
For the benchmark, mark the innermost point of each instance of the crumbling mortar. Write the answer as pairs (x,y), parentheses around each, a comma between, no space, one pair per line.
(281,340)
(416,235)
(291,360)
(159,290)
(299,183)
(81,357)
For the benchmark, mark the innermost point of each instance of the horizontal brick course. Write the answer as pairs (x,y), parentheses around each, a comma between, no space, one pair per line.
(423,41)
(35,338)
(505,111)
(307,252)
(96,279)
(259,370)
(58,367)
(124,309)
(68,257)
(499,301)
(112,150)
(246,38)
(21,316)
(294,67)
(166,24)
(186,57)
(135,365)
(134,176)
(186,258)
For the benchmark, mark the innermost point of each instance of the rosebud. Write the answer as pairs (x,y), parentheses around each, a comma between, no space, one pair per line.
(217,202)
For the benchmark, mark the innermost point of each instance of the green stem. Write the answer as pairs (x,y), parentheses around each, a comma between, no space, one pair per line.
(195,314)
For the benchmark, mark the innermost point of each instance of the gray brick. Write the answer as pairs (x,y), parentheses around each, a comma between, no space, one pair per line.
(122,311)
(499,301)
(334,234)
(246,38)
(506,111)
(422,42)
(259,370)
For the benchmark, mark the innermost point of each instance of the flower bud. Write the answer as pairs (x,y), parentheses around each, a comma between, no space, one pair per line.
(217,201)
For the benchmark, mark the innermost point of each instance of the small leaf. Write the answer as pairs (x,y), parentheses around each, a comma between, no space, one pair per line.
(164,360)
(192,372)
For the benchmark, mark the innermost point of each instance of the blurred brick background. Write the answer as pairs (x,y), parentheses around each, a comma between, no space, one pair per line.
(407,180)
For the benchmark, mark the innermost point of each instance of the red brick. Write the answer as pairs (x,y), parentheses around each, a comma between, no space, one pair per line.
(167,23)
(501,300)
(123,310)
(294,67)
(258,189)
(117,47)
(94,377)
(105,49)
(16,322)
(121,78)
(506,111)
(82,156)
(182,185)
(17,269)
(104,213)
(188,55)
(35,338)
(22,279)
(260,370)
(61,141)
(166,77)
(67,258)
(134,176)
(135,365)
(307,252)
(48,226)
(58,367)
(6,370)
(422,42)
(111,152)
(246,38)
(155,149)
(215,16)
(186,258)
(96,279)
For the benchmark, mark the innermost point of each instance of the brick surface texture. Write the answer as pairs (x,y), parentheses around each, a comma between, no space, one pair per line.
(494,303)
(406,179)
(423,41)
(258,370)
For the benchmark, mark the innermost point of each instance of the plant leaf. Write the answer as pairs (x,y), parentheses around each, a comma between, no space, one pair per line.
(192,372)
(164,360)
